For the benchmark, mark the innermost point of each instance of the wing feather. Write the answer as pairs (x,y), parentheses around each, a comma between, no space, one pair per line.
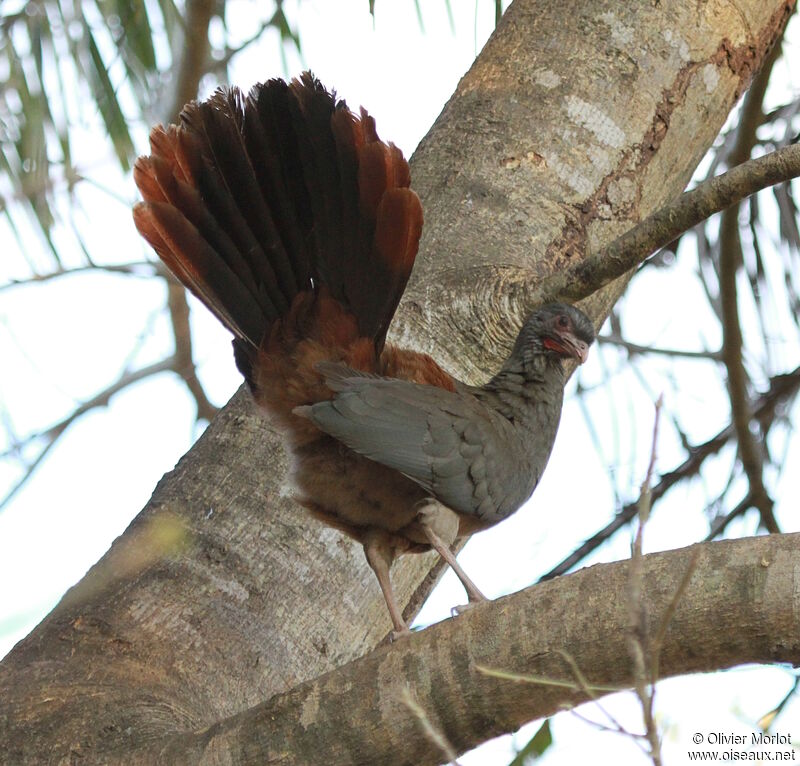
(435,437)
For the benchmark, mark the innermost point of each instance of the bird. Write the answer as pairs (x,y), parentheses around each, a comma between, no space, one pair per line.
(285,214)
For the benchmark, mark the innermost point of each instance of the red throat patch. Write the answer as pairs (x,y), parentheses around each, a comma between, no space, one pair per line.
(553,345)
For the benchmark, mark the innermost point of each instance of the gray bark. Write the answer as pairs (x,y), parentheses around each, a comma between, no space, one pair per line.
(740,605)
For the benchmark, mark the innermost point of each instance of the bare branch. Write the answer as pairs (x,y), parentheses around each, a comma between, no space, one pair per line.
(194,59)
(781,388)
(102,399)
(719,525)
(579,685)
(657,642)
(662,227)
(752,112)
(184,356)
(737,379)
(615,728)
(768,719)
(635,348)
(221,64)
(136,269)
(730,259)
(643,677)
(194,63)
(430,731)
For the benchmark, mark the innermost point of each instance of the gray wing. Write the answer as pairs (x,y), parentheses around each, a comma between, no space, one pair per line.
(465,454)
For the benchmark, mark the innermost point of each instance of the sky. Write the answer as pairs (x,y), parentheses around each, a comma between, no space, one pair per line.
(62,341)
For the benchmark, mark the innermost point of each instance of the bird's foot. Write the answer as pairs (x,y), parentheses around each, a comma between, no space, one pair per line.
(461,608)
(397,635)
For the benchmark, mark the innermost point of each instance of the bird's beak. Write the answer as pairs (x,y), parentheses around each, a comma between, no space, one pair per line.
(578,348)
(568,345)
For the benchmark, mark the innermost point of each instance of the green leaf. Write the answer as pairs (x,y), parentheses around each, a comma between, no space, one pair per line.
(535,747)
(107,103)
(137,35)
(419,16)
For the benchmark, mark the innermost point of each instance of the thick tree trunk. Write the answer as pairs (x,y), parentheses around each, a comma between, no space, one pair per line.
(569,128)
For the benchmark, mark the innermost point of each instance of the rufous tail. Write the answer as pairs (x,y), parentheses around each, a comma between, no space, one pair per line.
(252,200)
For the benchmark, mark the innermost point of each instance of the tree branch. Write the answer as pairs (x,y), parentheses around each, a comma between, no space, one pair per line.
(730,259)
(146,269)
(781,388)
(635,348)
(52,434)
(193,60)
(730,256)
(719,524)
(184,357)
(748,615)
(643,661)
(662,227)
(194,63)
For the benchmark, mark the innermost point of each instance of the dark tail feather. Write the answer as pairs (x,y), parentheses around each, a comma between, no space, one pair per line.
(272,146)
(205,273)
(253,200)
(352,171)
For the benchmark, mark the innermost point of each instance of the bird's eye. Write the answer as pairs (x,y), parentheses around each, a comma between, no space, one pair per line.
(562,322)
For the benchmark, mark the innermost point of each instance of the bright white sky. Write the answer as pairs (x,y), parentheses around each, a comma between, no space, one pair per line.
(63,341)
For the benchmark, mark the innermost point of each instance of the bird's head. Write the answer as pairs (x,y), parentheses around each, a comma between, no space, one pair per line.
(556,331)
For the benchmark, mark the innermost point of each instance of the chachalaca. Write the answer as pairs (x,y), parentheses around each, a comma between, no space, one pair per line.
(287,216)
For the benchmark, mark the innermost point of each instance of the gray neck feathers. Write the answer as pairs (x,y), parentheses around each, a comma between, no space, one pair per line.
(528,390)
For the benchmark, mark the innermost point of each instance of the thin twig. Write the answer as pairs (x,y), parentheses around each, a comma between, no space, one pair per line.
(766,721)
(752,111)
(658,641)
(52,434)
(719,525)
(750,451)
(635,348)
(146,269)
(587,688)
(614,729)
(781,388)
(643,680)
(580,684)
(221,64)
(430,731)
(730,259)
(184,353)
(194,63)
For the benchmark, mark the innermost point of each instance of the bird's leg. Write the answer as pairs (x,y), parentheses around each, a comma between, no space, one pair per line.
(473,593)
(380,554)
(436,515)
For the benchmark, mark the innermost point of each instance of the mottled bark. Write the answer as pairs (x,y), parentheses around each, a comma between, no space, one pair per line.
(731,602)
(568,129)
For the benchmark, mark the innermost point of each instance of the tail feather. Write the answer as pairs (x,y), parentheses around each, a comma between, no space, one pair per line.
(155,178)
(272,146)
(170,233)
(253,200)
(355,235)
(227,185)
(397,232)
(223,118)
(312,109)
